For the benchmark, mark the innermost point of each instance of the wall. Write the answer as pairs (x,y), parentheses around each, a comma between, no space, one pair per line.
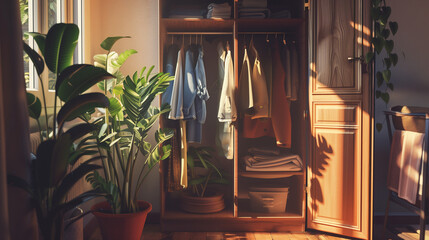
(138,19)
(410,78)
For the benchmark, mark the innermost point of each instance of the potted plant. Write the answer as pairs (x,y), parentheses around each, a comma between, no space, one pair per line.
(201,172)
(60,150)
(122,140)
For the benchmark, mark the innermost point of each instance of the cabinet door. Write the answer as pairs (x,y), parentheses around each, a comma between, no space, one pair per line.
(339,170)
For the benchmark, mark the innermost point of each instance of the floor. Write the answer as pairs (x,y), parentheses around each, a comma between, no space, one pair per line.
(152,232)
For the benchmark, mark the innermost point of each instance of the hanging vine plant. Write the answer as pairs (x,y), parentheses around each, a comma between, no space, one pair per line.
(383,30)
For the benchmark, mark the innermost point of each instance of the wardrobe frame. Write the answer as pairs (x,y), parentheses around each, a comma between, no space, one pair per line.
(229,220)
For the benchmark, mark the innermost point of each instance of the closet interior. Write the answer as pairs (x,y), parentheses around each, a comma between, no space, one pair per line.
(266,166)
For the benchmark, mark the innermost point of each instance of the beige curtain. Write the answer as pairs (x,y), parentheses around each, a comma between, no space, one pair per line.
(17,219)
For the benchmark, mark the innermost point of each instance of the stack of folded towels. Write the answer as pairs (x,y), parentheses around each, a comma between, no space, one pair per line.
(253,9)
(271,160)
(222,10)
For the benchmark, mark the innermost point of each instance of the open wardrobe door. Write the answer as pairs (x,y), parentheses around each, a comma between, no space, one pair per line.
(340,104)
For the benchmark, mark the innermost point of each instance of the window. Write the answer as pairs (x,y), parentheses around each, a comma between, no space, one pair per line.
(39,16)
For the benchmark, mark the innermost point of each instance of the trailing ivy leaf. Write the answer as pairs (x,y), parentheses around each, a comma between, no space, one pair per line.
(377,94)
(378,126)
(394,58)
(375,13)
(376,3)
(386,75)
(385,96)
(108,43)
(378,44)
(377,29)
(34,106)
(386,11)
(380,79)
(369,56)
(393,27)
(389,45)
(390,85)
(387,62)
(385,33)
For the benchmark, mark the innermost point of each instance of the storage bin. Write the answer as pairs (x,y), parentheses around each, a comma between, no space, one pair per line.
(268,200)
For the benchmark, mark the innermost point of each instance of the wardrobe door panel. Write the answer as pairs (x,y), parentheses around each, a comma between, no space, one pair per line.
(339,169)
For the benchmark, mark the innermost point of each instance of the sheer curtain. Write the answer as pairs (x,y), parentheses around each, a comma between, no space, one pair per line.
(17,219)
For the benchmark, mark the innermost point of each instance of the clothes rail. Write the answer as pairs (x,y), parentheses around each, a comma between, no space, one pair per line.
(199,33)
(263,33)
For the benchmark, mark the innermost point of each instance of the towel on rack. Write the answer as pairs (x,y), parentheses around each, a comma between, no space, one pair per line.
(405,164)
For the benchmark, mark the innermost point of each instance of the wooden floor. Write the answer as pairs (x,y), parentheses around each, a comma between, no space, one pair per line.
(152,232)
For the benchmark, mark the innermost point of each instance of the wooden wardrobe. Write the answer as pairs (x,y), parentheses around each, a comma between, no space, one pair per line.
(332,120)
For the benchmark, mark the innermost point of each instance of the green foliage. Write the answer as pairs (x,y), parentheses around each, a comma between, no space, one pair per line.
(125,127)
(202,158)
(51,179)
(383,29)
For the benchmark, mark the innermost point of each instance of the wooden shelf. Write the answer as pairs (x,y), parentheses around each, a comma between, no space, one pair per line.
(269,24)
(269,175)
(249,214)
(179,214)
(198,25)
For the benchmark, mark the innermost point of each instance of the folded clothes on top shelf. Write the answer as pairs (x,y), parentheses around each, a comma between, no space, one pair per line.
(254,12)
(186,11)
(281,14)
(283,162)
(222,10)
(254,4)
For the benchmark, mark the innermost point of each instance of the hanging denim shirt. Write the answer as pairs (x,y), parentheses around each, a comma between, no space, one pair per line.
(170,66)
(176,101)
(190,86)
(194,126)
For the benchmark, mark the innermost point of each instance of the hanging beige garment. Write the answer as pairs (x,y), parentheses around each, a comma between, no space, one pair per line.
(184,156)
(259,85)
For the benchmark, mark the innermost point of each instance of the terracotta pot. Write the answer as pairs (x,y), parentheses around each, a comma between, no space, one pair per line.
(121,226)
(209,204)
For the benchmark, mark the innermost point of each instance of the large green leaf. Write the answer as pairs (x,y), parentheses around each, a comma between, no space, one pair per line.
(70,180)
(43,164)
(60,155)
(40,40)
(108,43)
(123,57)
(36,59)
(80,130)
(19,183)
(393,27)
(34,106)
(115,106)
(78,78)
(80,105)
(61,41)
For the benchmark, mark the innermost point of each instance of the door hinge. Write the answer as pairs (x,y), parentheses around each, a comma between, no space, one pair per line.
(307,5)
(307,189)
(235,201)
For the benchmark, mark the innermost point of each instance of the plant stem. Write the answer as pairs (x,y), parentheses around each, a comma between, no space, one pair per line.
(205,184)
(45,108)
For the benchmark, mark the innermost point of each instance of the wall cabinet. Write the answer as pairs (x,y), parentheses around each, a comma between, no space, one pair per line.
(332,128)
